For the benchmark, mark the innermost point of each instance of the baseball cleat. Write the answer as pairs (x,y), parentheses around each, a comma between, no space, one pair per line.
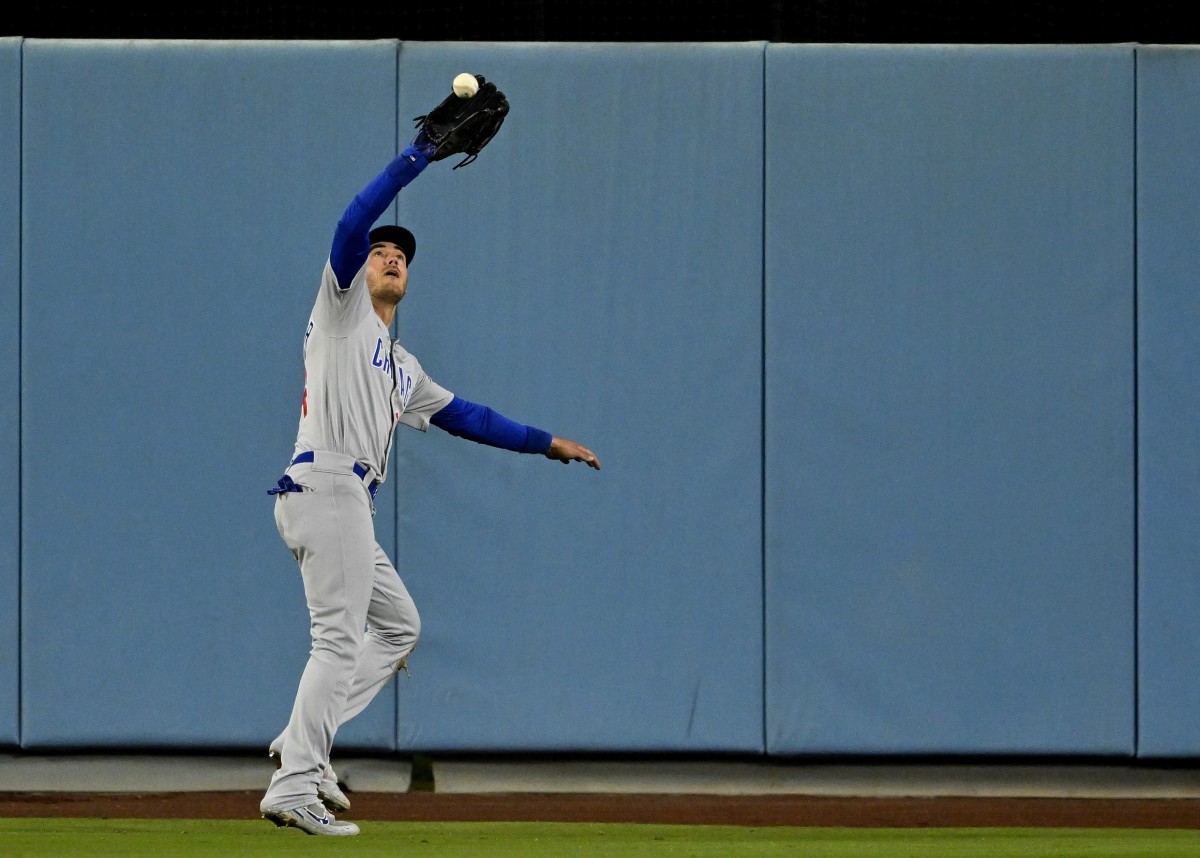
(331,794)
(313,819)
(328,791)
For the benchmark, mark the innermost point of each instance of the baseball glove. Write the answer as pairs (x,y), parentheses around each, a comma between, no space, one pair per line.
(460,126)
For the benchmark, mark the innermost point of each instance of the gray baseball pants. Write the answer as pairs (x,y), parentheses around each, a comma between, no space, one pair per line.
(363,621)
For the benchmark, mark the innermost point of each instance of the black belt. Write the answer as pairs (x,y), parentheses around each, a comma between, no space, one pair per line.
(286,484)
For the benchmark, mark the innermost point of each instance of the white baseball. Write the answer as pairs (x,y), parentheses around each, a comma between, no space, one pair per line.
(465,85)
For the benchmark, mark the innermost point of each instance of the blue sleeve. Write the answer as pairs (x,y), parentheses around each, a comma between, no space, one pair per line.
(350,242)
(482,425)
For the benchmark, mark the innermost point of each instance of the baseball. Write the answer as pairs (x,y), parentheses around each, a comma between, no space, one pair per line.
(465,85)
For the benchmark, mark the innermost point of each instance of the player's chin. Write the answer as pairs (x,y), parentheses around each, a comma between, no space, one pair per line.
(390,291)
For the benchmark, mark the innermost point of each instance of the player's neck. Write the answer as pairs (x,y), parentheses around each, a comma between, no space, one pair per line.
(385,311)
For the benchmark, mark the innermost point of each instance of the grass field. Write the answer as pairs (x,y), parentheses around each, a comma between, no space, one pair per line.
(187,838)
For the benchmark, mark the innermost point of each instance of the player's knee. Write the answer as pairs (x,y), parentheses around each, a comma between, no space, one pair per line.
(406,642)
(338,646)
(400,635)
(401,641)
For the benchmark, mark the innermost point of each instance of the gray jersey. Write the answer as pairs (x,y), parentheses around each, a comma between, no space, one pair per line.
(359,382)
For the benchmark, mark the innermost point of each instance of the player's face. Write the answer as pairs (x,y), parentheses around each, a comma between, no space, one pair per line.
(387,272)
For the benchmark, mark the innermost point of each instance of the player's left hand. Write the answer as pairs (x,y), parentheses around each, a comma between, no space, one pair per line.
(566,451)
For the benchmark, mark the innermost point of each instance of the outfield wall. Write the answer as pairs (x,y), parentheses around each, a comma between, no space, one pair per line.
(885,351)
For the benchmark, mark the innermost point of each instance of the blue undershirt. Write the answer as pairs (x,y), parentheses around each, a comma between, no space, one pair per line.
(352,245)
(351,239)
(483,425)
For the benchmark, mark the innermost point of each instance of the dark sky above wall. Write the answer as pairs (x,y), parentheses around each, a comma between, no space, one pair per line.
(821,21)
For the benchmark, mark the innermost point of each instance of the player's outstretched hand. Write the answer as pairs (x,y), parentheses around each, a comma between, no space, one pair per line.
(568,451)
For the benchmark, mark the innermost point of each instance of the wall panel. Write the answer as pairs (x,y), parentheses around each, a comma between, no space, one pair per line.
(949,551)
(10,376)
(179,201)
(947,433)
(596,273)
(1168,313)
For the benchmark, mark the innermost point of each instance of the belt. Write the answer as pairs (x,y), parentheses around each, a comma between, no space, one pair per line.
(359,469)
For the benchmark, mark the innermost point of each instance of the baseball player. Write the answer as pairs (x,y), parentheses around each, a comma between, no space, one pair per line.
(359,383)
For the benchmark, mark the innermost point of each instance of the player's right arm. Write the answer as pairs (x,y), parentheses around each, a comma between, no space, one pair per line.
(350,240)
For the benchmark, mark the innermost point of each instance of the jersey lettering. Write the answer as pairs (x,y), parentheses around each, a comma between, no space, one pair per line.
(404,388)
(383,361)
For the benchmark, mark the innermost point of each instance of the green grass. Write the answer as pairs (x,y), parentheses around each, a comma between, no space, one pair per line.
(188,838)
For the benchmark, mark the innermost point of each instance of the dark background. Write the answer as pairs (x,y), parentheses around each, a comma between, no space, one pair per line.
(924,21)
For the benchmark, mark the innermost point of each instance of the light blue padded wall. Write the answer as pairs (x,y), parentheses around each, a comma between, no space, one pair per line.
(597,273)
(179,203)
(949,411)
(1168,314)
(950,547)
(10,407)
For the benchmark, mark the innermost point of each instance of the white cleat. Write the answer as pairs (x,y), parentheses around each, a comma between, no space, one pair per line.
(331,794)
(328,791)
(313,819)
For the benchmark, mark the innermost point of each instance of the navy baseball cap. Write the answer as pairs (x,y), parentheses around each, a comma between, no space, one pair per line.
(399,236)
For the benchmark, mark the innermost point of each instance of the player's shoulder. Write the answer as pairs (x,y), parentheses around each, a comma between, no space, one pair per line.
(402,353)
(329,278)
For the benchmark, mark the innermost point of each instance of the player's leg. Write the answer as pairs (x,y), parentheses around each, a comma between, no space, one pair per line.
(329,790)
(393,627)
(331,533)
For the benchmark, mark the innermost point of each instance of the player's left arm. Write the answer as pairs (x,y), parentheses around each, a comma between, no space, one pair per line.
(565,450)
(484,425)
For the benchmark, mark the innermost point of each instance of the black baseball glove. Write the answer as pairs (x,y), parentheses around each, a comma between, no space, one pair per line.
(462,125)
